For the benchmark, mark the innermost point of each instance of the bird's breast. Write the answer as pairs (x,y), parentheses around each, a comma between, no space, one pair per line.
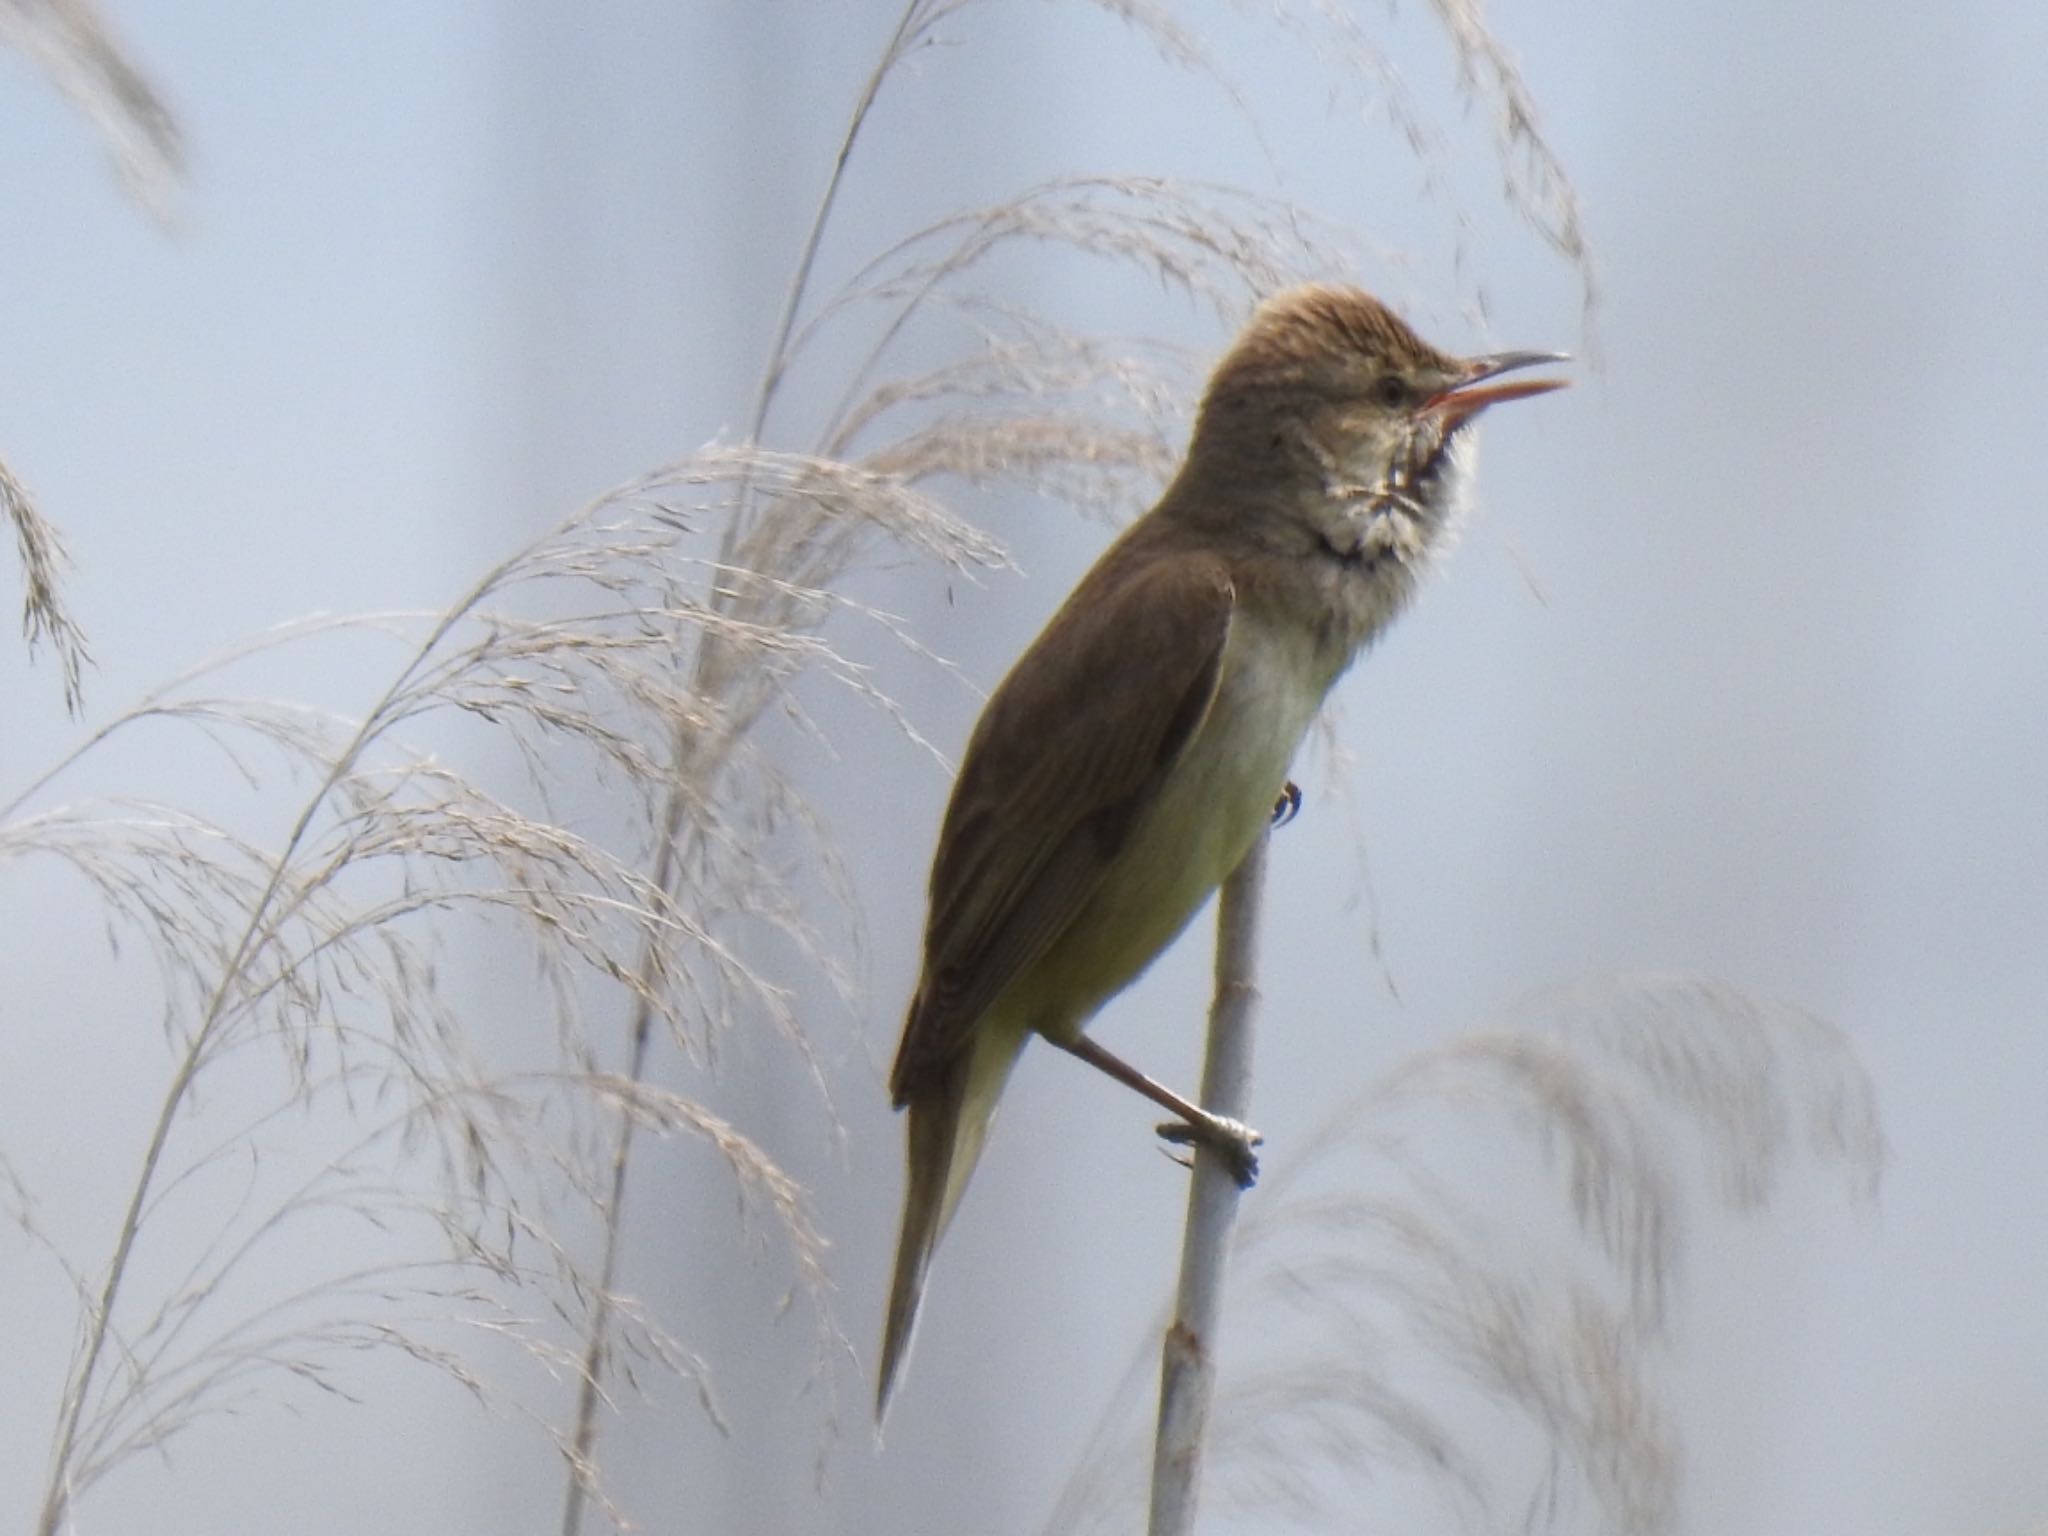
(1199,824)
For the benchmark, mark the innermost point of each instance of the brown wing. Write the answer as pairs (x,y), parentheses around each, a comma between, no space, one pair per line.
(1068,751)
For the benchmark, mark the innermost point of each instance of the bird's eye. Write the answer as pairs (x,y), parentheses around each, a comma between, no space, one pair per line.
(1391,390)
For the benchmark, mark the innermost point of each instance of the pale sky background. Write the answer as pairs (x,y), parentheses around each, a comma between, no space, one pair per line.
(1777,714)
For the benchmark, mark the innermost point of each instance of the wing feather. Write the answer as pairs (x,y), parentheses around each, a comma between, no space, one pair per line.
(1069,751)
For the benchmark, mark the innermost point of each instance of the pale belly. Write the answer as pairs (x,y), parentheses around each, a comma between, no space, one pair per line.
(1212,807)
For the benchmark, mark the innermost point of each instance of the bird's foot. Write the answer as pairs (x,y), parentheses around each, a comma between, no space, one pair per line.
(1288,805)
(1231,1140)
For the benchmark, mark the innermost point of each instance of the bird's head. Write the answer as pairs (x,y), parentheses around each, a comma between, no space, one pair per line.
(1331,406)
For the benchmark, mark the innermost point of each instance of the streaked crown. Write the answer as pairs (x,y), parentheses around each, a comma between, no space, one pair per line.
(1321,337)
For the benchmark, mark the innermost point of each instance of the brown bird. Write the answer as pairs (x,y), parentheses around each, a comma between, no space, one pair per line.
(1132,755)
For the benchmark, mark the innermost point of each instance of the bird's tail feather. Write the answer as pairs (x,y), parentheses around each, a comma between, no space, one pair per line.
(949,1123)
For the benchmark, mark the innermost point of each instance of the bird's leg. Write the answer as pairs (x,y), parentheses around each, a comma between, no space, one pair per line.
(1233,1140)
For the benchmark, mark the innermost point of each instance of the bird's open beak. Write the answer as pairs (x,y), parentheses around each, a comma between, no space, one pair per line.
(1463,400)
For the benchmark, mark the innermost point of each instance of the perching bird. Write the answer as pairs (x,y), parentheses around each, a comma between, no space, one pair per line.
(1132,755)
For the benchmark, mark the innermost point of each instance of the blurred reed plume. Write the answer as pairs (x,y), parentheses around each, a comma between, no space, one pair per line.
(1394,1291)
(82,57)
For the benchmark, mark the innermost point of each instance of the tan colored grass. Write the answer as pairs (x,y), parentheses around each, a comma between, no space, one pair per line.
(44,617)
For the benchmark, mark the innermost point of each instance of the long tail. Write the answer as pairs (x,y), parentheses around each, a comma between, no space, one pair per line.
(949,1121)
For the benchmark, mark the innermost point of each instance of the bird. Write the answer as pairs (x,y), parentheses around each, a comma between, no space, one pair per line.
(1132,755)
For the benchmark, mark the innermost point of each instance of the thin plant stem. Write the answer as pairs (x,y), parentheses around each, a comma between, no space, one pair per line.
(100,1321)
(696,760)
(918,17)
(589,1386)
(1187,1370)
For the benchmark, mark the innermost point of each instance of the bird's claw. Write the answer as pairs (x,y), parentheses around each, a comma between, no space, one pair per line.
(1231,1140)
(1289,803)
